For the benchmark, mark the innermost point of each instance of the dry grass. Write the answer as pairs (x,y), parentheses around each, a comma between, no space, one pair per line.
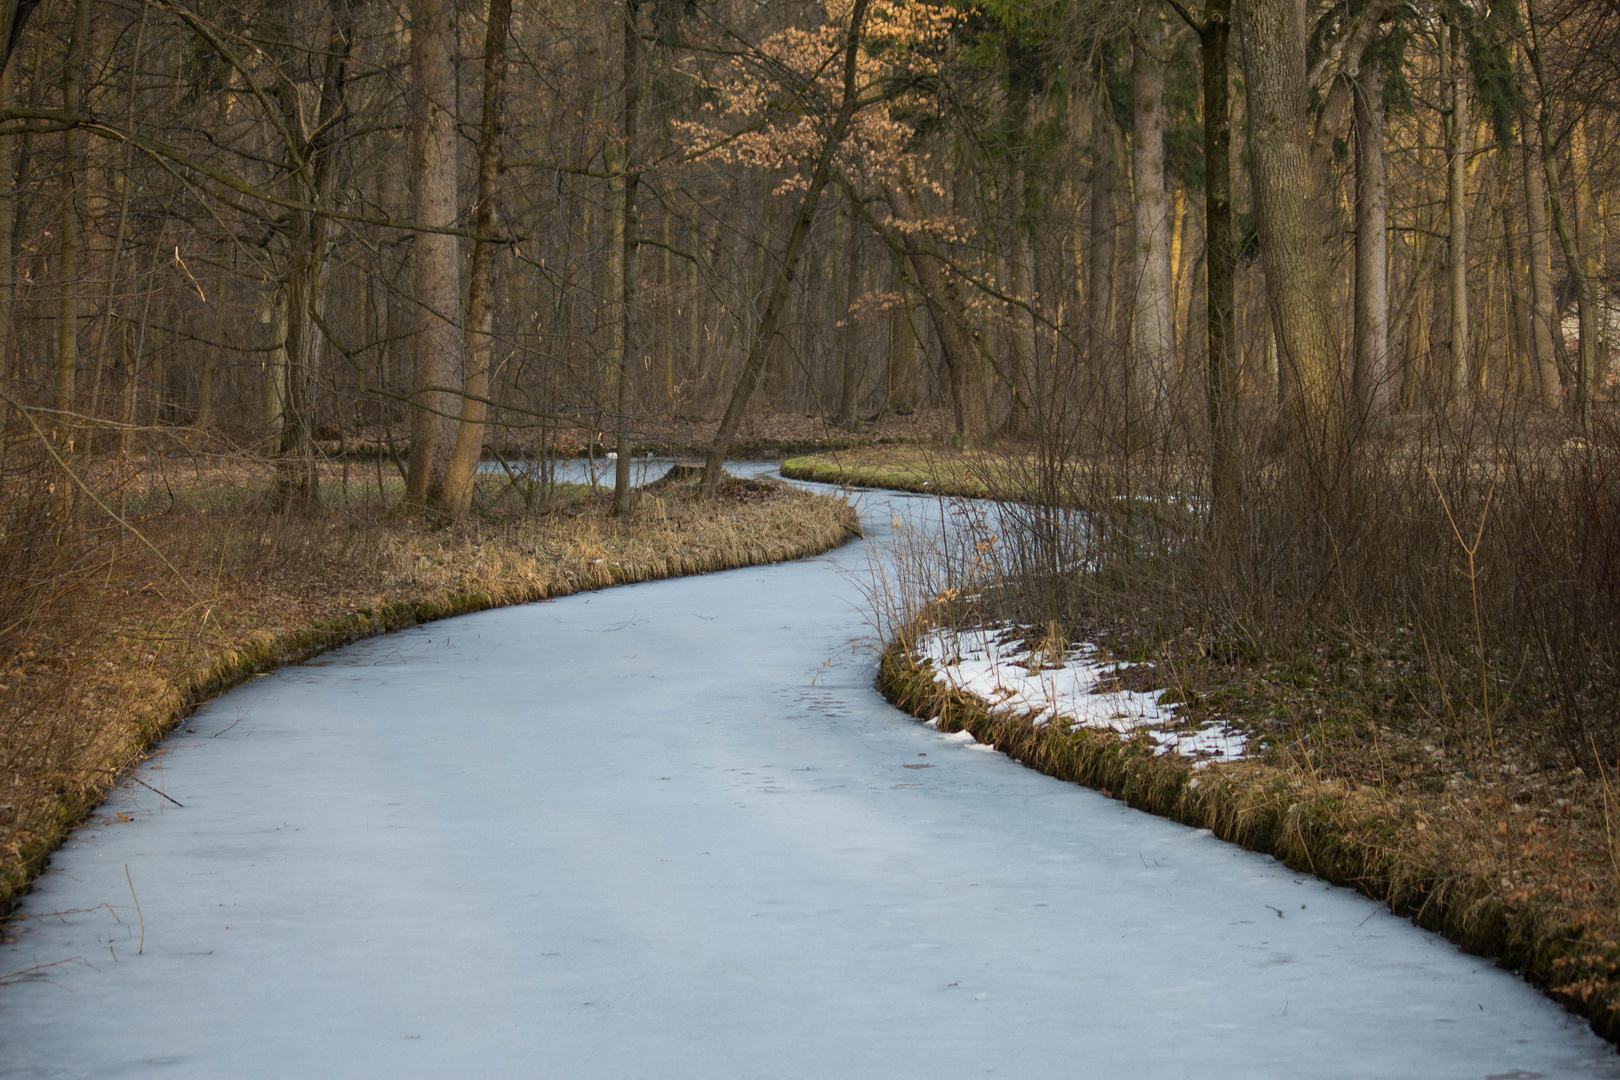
(232,589)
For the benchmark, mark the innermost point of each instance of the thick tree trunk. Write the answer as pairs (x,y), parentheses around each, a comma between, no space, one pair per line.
(1291,245)
(1589,245)
(1151,314)
(1370,376)
(435,258)
(1543,309)
(462,474)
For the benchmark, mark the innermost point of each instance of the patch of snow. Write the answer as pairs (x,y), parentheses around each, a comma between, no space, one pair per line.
(992,663)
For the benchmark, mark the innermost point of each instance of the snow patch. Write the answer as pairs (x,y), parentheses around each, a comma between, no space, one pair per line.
(992,663)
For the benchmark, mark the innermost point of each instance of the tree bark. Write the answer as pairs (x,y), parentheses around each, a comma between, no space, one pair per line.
(462,473)
(624,347)
(1454,75)
(1291,245)
(1151,313)
(435,258)
(1101,346)
(848,342)
(1370,376)
(1543,309)
(67,309)
(1580,396)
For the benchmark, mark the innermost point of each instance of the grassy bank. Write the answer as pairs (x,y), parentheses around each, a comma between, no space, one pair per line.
(928,470)
(217,588)
(1470,881)
(1422,665)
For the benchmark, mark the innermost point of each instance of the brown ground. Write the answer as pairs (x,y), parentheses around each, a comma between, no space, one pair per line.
(232,589)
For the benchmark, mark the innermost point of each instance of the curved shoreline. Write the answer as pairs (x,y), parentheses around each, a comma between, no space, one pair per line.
(268,653)
(1264,809)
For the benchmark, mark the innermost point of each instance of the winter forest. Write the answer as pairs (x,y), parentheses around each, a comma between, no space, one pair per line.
(1233,232)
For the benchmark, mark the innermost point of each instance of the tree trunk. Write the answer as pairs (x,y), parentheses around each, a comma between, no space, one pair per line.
(1101,347)
(435,258)
(902,367)
(1589,244)
(462,474)
(948,313)
(1292,250)
(1221,258)
(1370,381)
(1454,75)
(1151,313)
(1543,309)
(624,231)
(759,349)
(67,310)
(848,342)
(1584,289)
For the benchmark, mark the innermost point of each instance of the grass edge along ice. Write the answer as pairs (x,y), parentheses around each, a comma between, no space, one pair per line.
(995,664)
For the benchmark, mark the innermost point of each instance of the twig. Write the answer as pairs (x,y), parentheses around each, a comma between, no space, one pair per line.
(138,912)
(149,787)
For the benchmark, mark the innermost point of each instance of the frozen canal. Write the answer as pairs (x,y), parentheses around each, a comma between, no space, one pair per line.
(671,830)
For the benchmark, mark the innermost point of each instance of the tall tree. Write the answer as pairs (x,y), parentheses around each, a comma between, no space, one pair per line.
(481,290)
(1296,263)
(1152,318)
(435,258)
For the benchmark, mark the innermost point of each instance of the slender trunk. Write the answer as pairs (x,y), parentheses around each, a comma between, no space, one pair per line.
(273,392)
(462,474)
(1151,345)
(1454,75)
(1221,258)
(67,310)
(849,354)
(1291,245)
(8,219)
(1100,301)
(902,347)
(1543,309)
(782,280)
(435,258)
(1370,375)
(625,235)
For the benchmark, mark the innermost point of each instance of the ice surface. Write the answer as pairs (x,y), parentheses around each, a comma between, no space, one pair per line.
(647,833)
(992,663)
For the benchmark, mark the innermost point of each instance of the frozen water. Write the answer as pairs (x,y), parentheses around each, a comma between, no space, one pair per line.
(650,832)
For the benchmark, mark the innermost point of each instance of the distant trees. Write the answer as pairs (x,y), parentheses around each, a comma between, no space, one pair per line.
(454,228)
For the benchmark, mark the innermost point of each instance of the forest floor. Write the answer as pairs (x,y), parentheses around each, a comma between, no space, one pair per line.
(1359,767)
(208,587)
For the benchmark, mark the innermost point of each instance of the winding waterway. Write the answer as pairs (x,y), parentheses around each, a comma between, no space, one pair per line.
(672,830)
